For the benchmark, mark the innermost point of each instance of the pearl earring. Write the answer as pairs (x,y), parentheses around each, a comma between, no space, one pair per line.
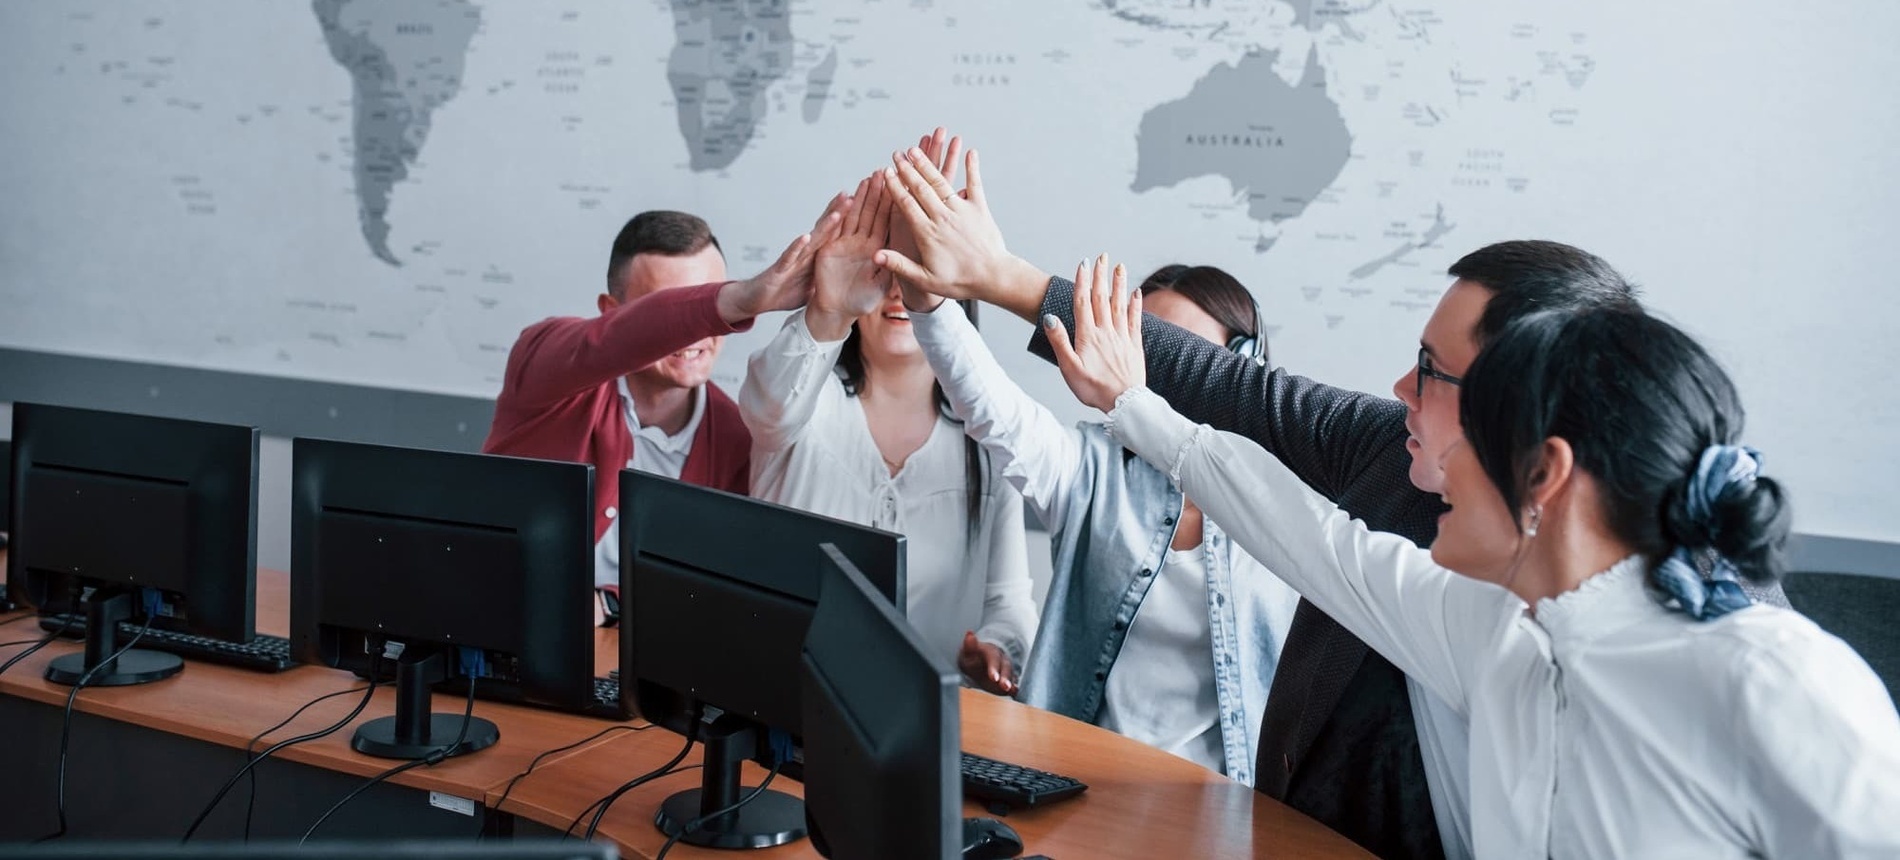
(1536,513)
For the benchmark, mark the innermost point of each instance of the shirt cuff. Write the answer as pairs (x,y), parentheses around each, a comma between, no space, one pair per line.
(804,342)
(1148,426)
(939,324)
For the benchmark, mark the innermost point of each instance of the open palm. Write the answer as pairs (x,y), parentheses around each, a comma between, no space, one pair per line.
(848,282)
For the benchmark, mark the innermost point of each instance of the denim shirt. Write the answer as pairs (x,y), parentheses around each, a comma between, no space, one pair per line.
(1115,534)
(1111,518)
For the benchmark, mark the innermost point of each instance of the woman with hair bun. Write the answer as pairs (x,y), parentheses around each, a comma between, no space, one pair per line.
(1626,698)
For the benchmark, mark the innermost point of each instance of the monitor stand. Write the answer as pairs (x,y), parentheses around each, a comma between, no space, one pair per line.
(104,610)
(772,818)
(414,732)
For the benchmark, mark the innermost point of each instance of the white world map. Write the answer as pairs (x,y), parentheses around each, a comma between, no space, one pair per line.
(384,192)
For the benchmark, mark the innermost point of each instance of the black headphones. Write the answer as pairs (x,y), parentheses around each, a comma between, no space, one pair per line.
(1252,346)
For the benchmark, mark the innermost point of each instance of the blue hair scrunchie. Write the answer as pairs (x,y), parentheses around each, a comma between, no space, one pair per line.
(1721,467)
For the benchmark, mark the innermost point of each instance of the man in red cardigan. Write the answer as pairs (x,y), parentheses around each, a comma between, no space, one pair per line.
(629,388)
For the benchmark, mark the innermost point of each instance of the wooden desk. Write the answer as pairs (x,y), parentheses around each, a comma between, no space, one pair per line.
(1141,802)
(227,706)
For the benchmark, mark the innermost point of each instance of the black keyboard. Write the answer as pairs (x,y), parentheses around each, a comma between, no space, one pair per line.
(1013,785)
(605,703)
(606,698)
(263,653)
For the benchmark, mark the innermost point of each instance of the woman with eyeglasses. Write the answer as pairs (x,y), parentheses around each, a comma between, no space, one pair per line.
(1626,697)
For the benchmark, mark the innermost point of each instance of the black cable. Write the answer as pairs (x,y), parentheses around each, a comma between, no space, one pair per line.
(537,759)
(432,759)
(37,645)
(250,803)
(699,822)
(66,724)
(18,642)
(333,728)
(608,801)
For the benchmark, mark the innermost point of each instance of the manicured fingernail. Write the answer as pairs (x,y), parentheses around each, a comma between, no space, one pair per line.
(1050,321)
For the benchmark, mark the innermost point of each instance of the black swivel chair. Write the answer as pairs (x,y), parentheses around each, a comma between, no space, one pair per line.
(1863,610)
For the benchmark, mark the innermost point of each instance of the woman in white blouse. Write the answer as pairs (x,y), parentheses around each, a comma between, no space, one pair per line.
(1626,700)
(848,421)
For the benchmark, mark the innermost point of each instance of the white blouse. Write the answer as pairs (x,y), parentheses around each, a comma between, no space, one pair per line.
(1159,692)
(1604,725)
(812,449)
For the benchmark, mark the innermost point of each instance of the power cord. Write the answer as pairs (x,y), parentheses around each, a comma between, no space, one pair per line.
(432,759)
(250,802)
(333,728)
(699,822)
(37,644)
(66,723)
(537,759)
(605,802)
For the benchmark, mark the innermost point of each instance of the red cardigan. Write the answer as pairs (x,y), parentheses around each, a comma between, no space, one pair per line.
(559,402)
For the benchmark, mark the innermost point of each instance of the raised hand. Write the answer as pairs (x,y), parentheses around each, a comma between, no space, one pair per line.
(1106,357)
(942,149)
(787,283)
(986,666)
(960,252)
(848,283)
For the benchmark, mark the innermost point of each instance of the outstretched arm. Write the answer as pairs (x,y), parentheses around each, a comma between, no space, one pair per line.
(1332,438)
(1033,450)
(784,380)
(1432,623)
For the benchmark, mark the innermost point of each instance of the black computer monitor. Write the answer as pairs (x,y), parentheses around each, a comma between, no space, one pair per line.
(6,515)
(133,518)
(449,566)
(6,489)
(717,591)
(881,729)
(381,849)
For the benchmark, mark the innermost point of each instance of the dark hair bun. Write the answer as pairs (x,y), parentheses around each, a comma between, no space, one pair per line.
(1748,525)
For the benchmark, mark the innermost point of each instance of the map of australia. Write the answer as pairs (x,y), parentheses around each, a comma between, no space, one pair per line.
(405,59)
(1281,145)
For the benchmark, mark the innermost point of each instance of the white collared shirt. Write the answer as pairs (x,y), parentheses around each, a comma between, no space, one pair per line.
(1603,724)
(812,449)
(655,451)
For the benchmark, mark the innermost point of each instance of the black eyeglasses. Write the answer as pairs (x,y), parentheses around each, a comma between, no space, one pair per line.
(1426,369)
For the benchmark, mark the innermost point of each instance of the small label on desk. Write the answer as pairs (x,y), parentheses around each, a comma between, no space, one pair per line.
(452,803)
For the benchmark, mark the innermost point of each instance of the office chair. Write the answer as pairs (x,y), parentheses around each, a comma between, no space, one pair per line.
(1859,609)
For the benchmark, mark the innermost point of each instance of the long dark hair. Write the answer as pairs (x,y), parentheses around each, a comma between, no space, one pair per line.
(1638,401)
(1215,291)
(851,371)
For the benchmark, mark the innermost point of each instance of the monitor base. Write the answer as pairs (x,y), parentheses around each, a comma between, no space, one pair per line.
(379,737)
(772,818)
(135,666)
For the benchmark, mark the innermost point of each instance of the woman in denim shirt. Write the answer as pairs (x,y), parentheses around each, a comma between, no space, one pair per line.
(1156,624)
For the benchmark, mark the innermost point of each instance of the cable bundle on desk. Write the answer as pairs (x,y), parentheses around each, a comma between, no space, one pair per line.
(368,693)
(432,759)
(605,803)
(536,762)
(250,803)
(37,644)
(66,722)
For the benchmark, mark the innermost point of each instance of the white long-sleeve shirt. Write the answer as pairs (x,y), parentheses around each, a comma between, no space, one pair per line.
(812,449)
(1603,725)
